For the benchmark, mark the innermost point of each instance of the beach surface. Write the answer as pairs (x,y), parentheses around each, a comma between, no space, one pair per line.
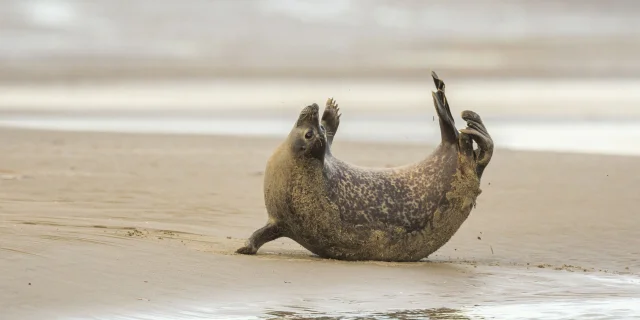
(134,136)
(144,226)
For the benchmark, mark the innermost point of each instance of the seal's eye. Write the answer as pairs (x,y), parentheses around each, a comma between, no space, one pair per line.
(309,134)
(321,128)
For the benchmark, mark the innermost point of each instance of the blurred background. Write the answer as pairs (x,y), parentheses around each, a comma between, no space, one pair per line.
(74,40)
(519,60)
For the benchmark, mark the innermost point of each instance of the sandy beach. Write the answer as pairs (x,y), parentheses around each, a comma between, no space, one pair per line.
(123,226)
(134,137)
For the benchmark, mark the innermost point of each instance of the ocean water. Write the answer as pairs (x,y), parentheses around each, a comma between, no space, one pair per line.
(38,29)
(612,137)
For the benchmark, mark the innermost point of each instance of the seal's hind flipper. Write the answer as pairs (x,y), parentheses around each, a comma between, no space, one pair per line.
(478,132)
(447,124)
(440,86)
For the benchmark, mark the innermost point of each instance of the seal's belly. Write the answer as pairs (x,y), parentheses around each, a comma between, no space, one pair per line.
(405,199)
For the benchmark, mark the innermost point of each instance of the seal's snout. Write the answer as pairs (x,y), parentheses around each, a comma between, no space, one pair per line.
(310,115)
(312,110)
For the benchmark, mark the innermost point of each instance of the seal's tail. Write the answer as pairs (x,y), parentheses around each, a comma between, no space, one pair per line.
(447,124)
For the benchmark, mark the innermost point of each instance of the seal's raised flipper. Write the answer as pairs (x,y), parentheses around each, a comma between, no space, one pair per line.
(478,132)
(269,232)
(331,119)
(447,124)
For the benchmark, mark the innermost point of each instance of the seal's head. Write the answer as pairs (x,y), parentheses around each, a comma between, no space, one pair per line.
(308,138)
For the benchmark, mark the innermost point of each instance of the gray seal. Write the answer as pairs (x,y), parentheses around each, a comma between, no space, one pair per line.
(342,211)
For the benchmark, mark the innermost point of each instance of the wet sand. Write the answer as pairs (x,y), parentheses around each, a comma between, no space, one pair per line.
(144,226)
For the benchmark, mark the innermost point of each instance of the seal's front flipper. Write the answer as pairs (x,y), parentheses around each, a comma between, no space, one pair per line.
(479,133)
(269,232)
(447,125)
(331,119)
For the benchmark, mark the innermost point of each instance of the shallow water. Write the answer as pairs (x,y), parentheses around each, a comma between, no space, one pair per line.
(581,136)
(497,293)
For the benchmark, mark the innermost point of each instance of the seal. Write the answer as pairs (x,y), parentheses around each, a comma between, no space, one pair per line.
(343,211)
